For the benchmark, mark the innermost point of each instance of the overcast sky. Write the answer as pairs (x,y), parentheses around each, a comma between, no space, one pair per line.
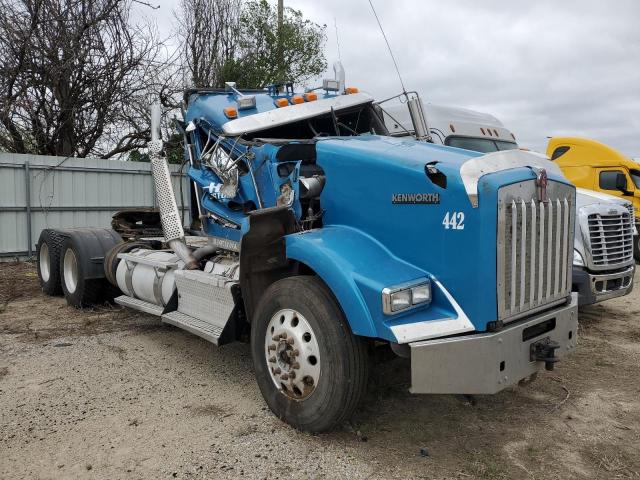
(543,67)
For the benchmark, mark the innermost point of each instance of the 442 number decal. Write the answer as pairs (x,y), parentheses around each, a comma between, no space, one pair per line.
(453,220)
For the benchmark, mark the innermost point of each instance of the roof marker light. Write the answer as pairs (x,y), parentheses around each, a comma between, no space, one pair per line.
(513,136)
(482,130)
(489,132)
(231,112)
(310,96)
(350,90)
(281,102)
(496,132)
(297,99)
(452,128)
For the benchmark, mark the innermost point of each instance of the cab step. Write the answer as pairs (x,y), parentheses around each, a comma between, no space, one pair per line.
(139,305)
(193,325)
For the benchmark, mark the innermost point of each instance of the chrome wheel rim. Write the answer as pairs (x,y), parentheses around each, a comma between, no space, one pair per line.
(45,260)
(292,354)
(70,266)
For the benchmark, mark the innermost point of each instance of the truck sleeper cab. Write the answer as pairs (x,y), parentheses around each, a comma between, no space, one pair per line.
(320,233)
(595,166)
(603,266)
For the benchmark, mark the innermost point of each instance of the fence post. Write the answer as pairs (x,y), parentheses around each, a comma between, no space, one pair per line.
(27,190)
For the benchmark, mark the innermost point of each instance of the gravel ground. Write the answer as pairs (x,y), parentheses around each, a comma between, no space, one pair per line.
(109,393)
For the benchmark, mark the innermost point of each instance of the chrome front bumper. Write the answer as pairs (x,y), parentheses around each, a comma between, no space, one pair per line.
(596,287)
(486,363)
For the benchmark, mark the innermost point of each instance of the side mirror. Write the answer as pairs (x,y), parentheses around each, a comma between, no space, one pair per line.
(621,182)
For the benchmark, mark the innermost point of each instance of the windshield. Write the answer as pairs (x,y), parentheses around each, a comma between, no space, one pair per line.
(483,145)
(635,176)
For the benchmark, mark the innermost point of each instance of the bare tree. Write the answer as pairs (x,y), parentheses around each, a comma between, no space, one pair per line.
(209,32)
(75,77)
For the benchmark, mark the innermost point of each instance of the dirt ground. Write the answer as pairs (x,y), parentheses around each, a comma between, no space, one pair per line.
(110,393)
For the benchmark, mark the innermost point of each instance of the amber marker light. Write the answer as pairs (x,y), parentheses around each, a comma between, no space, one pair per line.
(231,112)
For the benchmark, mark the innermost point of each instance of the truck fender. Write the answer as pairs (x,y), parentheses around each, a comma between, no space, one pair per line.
(356,268)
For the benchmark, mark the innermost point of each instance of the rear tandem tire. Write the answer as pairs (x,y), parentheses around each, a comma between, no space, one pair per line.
(48,261)
(318,346)
(78,291)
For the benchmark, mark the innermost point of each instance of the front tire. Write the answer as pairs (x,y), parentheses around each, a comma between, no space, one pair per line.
(311,369)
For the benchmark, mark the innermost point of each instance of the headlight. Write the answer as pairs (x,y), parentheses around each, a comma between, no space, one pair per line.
(577,259)
(408,295)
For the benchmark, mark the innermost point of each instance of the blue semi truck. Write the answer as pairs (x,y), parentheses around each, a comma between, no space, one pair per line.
(316,237)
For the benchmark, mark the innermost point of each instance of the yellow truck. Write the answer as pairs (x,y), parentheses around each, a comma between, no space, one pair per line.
(595,166)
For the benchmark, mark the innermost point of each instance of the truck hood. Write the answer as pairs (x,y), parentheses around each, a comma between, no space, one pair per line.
(458,165)
(381,188)
(586,197)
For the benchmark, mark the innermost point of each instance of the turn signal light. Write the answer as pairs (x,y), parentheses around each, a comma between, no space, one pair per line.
(231,112)
(310,97)
(349,90)
(297,99)
(281,102)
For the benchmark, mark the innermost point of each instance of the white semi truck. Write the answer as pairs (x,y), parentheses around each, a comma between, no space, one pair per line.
(603,263)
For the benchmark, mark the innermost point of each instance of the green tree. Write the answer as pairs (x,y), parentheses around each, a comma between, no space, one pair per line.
(241,43)
(260,61)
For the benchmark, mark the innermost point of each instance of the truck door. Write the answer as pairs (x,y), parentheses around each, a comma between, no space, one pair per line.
(615,181)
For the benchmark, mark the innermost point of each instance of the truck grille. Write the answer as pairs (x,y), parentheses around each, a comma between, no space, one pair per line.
(611,238)
(535,245)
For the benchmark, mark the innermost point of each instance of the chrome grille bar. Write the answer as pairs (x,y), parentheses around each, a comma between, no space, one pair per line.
(565,237)
(559,228)
(548,252)
(532,280)
(514,240)
(541,252)
(523,252)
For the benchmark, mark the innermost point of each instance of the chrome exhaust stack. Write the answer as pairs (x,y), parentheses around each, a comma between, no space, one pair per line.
(169,214)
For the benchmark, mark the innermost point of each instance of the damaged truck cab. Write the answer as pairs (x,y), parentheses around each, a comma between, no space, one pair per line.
(317,236)
(458,259)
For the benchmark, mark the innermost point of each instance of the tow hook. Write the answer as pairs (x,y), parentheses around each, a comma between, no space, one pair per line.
(544,351)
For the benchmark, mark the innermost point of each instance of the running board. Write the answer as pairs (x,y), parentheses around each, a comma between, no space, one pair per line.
(193,325)
(139,305)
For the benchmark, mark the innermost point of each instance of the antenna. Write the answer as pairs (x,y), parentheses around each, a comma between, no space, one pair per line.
(335,24)
(404,90)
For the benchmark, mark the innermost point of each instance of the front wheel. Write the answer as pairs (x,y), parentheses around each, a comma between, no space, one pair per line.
(311,369)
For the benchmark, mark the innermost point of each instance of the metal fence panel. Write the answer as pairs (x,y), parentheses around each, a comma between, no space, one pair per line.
(39,192)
